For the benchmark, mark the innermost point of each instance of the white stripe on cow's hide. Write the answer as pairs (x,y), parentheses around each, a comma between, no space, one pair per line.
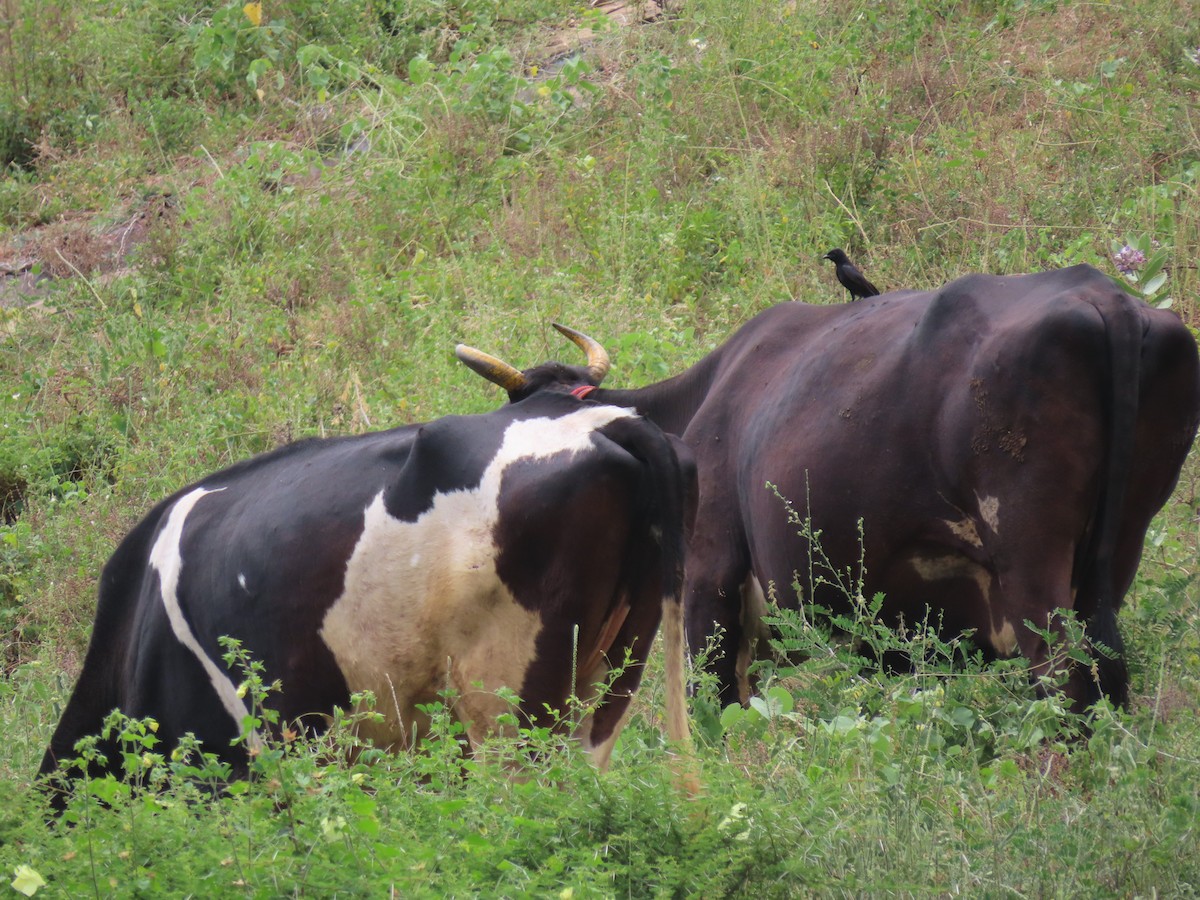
(167,560)
(406,631)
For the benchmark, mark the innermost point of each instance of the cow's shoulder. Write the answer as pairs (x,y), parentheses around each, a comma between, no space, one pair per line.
(471,452)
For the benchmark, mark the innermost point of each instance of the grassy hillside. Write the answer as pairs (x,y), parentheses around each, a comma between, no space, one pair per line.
(226,227)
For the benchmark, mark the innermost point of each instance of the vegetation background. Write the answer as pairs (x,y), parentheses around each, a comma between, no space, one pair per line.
(227,226)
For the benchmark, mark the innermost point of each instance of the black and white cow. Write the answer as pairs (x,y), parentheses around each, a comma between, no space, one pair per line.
(513,549)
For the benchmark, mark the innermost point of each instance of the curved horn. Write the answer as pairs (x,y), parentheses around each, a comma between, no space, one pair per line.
(494,370)
(598,362)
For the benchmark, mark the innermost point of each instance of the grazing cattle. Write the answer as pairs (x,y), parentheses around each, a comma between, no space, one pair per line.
(535,548)
(1004,440)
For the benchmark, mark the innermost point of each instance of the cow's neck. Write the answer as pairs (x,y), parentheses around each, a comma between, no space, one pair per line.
(672,403)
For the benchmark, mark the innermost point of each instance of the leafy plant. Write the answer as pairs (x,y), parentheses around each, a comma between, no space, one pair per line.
(236,45)
(1141,260)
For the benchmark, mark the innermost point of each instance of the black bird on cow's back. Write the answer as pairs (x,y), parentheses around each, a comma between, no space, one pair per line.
(848,274)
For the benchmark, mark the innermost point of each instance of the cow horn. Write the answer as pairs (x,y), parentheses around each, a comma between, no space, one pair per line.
(598,362)
(494,370)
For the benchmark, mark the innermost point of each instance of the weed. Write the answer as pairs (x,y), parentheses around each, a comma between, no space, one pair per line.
(1141,261)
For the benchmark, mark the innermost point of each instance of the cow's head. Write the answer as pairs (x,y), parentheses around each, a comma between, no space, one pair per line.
(548,376)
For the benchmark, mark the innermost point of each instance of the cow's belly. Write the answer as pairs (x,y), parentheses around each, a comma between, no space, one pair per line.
(424,611)
(944,569)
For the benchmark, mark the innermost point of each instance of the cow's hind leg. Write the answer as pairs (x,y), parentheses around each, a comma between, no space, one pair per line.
(717,571)
(1044,626)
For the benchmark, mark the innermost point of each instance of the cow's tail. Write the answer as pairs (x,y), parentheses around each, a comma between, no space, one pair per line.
(671,492)
(677,504)
(673,642)
(1123,326)
(678,520)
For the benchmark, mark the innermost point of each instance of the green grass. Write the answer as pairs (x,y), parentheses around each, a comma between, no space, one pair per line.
(232,271)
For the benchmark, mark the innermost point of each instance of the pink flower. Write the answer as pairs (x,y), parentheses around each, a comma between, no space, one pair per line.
(1129,260)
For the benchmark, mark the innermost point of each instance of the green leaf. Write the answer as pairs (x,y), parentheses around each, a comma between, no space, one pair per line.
(28,881)
(105,789)
(841,724)
(367,825)
(1154,265)
(311,54)
(348,70)
(1154,285)
(761,706)
(731,715)
(317,77)
(474,841)
(962,716)
(706,722)
(420,70)
(781,700)
(776,703)
(256,69)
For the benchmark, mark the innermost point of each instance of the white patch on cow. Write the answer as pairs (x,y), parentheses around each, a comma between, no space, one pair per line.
(989,511)
(755,635)
(965,530)
(944,568)
(1004,640)
(415,561)
(166,559)
(406,633)
(242,582)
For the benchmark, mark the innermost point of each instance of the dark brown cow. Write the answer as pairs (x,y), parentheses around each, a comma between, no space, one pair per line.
(536,548)
(1005,441)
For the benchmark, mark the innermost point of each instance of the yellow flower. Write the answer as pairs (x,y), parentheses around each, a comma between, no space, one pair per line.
(253,11)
